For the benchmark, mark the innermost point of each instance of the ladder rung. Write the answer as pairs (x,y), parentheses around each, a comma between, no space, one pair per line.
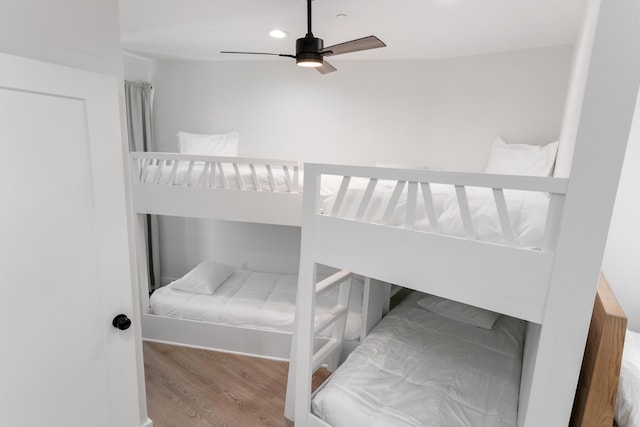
(333,316)
(325,351)
(331,281)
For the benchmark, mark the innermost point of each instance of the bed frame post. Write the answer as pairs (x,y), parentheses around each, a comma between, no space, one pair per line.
(610,49)
(298,397)
(142,260)
(376,298)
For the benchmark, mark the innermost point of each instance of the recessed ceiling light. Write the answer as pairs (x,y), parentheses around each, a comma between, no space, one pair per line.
(278,34)
(341,17)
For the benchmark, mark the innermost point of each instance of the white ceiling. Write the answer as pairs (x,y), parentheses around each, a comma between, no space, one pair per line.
(412,29)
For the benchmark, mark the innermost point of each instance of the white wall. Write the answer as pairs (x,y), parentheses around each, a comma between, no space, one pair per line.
(185,242)
(138,68)
(81,34)
(443,114)
(621,263)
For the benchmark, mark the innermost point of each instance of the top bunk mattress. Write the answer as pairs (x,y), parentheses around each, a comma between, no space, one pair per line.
(526,210)
(224,176)
(251,299)
(417,368)
(233,176)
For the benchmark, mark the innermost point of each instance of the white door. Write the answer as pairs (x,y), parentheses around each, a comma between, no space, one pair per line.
(64,255)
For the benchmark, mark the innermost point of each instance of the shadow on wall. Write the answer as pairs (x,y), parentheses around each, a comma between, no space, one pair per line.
(185,242)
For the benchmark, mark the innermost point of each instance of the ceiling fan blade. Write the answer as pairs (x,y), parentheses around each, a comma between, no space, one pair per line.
(365,43)
(260,53)
(326,68)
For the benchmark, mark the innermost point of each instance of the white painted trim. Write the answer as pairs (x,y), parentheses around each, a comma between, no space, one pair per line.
(513,281)
(224,338)
(317,422)
(264,206)
(601,133)
(575,91)
(213,203)
(154,155)
(377,296)
(298,397)
(211,336)
(510,182)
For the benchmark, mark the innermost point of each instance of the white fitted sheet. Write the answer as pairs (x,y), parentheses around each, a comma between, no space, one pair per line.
(251,299)
(216,180)
(329,183)
(527,210)
(417,368)
(628,399)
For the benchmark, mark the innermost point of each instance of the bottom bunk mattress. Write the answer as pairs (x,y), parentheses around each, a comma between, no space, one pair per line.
(628,399)
(249,299)
(419,368)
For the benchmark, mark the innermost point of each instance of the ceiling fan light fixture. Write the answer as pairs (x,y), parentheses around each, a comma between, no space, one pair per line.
(309,62)
(308,51)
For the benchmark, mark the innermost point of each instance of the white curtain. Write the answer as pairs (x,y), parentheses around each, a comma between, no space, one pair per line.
(139,100)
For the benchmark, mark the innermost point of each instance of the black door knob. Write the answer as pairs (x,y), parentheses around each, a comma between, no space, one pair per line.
(121,321)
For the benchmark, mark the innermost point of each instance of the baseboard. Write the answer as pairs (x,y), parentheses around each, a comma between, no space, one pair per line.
(147,423)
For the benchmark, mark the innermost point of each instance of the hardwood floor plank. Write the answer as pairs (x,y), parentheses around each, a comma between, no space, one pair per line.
(189,387)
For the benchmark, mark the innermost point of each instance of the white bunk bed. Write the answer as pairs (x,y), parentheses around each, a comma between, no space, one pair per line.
(420,368)
(246,312)
(434,362)
(235,189)
(228,188)
(440,223)
(550,285)
(423,230)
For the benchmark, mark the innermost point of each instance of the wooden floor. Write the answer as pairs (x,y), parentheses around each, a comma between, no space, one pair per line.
(189,387)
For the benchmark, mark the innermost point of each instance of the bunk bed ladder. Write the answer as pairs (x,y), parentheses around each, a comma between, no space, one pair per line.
(329,352)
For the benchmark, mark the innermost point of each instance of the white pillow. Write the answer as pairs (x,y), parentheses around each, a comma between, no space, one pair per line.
(521,159)
(224,144)
(205,278)
(628,400)
(458,311)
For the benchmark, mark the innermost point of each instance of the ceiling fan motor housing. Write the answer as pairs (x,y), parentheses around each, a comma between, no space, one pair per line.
(308,49)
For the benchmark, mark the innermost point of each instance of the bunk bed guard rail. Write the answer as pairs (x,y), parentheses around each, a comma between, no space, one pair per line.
(228,188)
(483,259)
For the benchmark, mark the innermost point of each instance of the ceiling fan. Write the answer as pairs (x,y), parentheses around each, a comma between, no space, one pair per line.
(310,50)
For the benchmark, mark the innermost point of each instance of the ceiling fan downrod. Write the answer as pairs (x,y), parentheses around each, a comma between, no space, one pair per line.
(309,33)
(308,47)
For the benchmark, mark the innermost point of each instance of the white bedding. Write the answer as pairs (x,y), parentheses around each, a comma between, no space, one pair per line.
(628,399)
(527,211)
(329,184)
(250,299)
(216,181)
(417,368)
